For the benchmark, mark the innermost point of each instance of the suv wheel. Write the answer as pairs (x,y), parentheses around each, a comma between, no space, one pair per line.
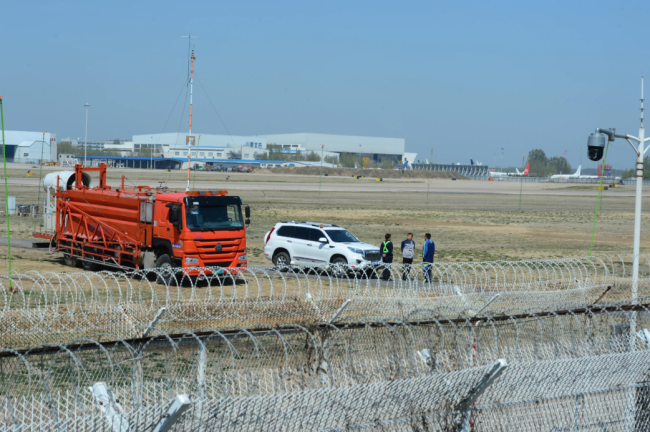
(339,267)
(281,260)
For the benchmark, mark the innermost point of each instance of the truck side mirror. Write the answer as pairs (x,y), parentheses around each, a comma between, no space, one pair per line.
(247,212)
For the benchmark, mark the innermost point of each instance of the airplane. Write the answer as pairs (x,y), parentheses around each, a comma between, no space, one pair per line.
(525,173)
(575,175)
(498,174)
(475,163)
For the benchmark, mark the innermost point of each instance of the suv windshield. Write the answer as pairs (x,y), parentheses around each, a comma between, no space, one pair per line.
(213,217)
(341,236)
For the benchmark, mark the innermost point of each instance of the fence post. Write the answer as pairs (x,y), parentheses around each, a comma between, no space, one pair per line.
(111,409)
(200,378)
(179,405)
(578,414)
(487,380)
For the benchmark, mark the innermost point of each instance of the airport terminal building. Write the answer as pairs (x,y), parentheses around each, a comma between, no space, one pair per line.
(253,147)
(374,148)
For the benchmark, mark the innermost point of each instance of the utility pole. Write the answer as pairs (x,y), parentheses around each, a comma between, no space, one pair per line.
(86,138)
(501,159)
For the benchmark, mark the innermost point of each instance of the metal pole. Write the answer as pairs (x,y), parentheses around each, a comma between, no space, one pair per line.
(320,182)
(429,175)
(637,228)
(4,157)
(521,187)
(86,138)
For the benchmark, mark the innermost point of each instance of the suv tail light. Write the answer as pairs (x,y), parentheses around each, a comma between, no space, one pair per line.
(268,237)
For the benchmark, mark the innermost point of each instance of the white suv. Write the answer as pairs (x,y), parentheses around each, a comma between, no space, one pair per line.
(318,245)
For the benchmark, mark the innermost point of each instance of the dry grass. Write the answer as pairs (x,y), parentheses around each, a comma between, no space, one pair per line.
(465,226)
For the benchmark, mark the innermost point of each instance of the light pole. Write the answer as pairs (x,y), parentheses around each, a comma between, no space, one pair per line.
(501,159)
(151,154)
(429,175)
(595,148)
(320,181)
(86,138)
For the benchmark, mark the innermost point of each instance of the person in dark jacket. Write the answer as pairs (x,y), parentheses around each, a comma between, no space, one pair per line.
(408,252)
(429,252)
(386,256)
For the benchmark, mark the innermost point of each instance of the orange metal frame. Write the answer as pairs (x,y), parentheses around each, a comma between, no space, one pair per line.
(85,236)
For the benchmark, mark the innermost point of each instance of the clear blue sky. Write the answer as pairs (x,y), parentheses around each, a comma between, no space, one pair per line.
(465,78)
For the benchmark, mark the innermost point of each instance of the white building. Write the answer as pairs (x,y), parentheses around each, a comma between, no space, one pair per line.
(30,147)
(376,149)
(203,146)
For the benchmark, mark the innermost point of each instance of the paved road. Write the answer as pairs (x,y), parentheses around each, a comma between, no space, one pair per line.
(396,186)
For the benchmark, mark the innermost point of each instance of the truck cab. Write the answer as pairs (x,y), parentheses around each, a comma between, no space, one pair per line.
(200,229)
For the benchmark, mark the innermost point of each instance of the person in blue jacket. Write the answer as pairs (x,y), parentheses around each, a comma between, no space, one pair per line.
(429,252)
(386,256)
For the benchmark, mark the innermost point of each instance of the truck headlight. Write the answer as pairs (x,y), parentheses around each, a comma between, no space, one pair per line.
(242,257)
(190,260)
(355,250)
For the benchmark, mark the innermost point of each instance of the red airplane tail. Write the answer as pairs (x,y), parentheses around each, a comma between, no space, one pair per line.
(526,170)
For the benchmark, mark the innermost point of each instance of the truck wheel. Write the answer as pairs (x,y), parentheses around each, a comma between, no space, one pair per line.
(70,261)
(164,273)
(281,260)
(88,266)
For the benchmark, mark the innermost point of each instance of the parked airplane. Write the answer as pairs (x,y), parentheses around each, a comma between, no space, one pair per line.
(475,163)
(498,174)
(525,173)
(575,175)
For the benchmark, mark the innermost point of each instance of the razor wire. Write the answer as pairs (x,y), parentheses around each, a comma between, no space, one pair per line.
(565,367)
(60,307)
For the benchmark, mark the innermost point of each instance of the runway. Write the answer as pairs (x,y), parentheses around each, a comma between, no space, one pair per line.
(371,186)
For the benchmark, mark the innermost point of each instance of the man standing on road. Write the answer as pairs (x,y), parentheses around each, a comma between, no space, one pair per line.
(429,252)
(386,256)
(408,252)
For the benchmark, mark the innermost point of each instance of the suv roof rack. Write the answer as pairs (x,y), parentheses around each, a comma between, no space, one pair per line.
(314,224)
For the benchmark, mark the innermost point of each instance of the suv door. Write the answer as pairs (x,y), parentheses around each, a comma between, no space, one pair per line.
(318,253)
(299,240)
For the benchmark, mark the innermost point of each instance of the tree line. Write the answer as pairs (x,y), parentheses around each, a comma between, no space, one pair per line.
(542,166)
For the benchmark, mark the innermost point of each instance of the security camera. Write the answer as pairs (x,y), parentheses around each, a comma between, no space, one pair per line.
(596,146)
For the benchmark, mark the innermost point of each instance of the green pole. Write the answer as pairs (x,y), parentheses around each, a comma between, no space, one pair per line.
(4,157)
(320,181)
(429,176)
(600,189)
(521,187)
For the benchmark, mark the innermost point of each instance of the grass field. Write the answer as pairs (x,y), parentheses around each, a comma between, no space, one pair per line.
(555,221)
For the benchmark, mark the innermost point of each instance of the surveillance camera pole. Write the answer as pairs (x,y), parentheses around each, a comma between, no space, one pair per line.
(630,404)
(640,153)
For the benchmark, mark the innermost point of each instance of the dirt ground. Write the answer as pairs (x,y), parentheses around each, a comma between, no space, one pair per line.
(555,221)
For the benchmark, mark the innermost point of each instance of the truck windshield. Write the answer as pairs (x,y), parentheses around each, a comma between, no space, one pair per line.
(213,217)
(341,236)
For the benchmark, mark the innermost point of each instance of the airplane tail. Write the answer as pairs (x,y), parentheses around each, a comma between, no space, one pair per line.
(526,170)
(472,161)
(518,173)
(577,173)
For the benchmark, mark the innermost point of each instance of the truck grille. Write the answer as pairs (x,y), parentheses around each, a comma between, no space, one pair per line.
(373,255)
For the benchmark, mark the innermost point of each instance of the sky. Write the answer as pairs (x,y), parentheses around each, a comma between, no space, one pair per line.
(458,80)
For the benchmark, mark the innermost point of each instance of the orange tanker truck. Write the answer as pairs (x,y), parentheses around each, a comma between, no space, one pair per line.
(143,228)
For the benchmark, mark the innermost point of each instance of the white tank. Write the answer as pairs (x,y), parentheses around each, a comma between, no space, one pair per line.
(66,180)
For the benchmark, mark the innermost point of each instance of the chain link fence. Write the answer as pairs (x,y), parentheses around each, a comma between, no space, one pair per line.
(499,346)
